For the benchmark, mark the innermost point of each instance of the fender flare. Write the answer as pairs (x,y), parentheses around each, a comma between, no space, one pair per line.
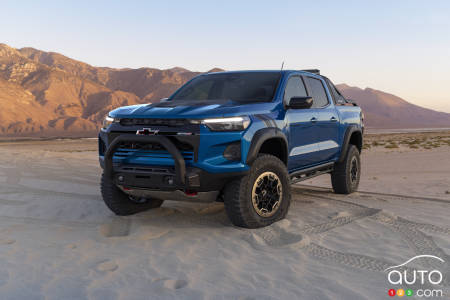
(346,141)
(260,137)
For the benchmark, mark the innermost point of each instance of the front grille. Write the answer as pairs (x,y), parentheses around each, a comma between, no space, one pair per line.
(126,153)
(155,122)
(133,150)
(156,146)
(147,153)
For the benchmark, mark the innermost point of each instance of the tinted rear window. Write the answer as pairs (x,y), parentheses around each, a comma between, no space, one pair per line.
(317,91)
(245,87)
(338,98)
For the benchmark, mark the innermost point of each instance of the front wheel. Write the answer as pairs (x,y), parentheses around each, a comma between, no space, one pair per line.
(346,174)
(122,204)
(260,198)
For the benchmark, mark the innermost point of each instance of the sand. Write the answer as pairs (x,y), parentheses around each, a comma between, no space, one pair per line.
(59,241)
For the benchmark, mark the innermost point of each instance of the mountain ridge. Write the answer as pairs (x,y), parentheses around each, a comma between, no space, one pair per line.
(49,94)
(385,110)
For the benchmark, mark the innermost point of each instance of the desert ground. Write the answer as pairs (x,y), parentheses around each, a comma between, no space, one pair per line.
(59,241)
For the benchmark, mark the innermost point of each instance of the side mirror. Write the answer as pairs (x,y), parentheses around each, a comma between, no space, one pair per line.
(163,100)
(300,102)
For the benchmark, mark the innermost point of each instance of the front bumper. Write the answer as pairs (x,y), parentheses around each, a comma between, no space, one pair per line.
(161,178)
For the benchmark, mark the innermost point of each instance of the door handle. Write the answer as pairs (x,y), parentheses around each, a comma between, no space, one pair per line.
(333,119)
(313,120)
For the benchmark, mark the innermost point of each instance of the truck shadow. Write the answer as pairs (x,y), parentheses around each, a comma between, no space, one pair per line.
(182,215)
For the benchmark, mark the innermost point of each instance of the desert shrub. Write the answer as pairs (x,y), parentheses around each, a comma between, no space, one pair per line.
(391,146)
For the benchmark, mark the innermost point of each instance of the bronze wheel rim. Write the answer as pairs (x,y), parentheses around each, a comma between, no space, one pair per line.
(267,193)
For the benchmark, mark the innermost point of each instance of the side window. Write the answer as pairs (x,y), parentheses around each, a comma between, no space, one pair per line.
(338,98)
(294,88)
(317,92)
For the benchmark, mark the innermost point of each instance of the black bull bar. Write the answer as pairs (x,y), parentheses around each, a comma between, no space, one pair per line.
(180,165)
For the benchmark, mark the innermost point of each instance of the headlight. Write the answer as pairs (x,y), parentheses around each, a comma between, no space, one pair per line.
(227,124)
(108,121)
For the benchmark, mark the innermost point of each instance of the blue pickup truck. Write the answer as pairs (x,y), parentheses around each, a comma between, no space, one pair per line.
(238,137)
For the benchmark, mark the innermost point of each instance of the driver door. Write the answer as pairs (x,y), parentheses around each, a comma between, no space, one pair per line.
(302,127)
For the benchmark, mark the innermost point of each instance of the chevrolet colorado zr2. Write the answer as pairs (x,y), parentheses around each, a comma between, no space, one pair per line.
(239,137)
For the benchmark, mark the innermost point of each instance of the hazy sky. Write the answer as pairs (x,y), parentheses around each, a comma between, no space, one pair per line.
(401,47)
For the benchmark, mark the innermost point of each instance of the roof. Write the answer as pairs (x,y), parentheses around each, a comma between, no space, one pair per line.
(311,71)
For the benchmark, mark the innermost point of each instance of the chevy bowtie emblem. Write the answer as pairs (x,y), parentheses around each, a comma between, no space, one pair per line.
(147,131)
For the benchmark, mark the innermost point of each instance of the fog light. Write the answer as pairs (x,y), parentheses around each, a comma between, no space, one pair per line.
(233,151)
(120,178)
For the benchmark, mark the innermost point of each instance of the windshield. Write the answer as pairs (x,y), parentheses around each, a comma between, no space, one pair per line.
(245,87)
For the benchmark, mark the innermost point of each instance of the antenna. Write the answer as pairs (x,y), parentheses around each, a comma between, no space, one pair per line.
(282,65)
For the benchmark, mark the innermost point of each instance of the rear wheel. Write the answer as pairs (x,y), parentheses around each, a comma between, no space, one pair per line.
(122,204)
(346,174)
(261,197)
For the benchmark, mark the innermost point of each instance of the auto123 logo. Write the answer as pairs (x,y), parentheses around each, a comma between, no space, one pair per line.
(419,282)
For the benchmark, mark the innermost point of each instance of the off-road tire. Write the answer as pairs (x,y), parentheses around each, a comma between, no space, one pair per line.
(120,203)
(341,177)
(238,194)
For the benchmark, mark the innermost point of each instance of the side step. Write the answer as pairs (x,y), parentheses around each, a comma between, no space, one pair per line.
(308,173)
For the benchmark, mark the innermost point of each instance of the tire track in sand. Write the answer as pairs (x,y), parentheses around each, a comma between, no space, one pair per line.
(340,221)
(410,231)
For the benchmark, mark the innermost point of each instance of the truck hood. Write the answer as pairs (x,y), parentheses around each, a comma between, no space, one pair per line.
(192,109)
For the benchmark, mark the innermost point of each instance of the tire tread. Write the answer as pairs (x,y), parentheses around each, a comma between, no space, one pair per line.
(340,177)
(236,193)
(119,202)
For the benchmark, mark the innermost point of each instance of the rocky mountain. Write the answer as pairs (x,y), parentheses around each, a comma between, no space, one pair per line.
(49,94)
(384,110)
